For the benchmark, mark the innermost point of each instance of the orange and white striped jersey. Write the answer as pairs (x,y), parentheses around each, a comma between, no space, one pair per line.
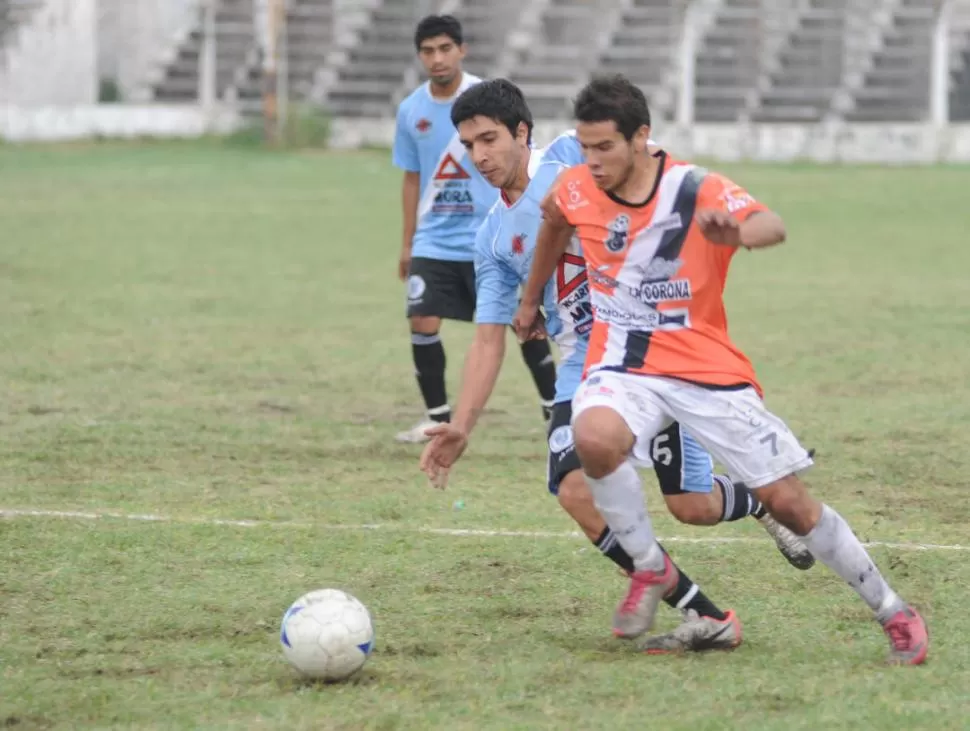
(656,281)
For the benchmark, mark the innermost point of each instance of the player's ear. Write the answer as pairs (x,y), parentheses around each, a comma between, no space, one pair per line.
(522,133)
(462,50)
(640,139)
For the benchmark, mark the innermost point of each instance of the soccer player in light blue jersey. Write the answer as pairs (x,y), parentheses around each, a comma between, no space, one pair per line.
(444,201)
(495,125)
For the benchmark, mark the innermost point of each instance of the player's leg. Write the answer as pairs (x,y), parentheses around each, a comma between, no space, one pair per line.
(538,357)
(760,449)
(567,483)
(436,291)
(696,496)
(610,416)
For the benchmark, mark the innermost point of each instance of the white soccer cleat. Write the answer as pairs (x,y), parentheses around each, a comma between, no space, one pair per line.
(791,546)
(696,634)
(417,434)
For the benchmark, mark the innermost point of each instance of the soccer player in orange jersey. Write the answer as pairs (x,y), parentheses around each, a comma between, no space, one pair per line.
(658,236)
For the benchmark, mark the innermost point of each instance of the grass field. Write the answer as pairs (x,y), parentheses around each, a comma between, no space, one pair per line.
(206,334)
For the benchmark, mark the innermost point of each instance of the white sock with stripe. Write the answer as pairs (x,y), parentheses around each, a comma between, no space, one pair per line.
(619,499)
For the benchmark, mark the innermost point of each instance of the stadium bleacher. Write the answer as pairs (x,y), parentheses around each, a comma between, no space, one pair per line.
(800,61)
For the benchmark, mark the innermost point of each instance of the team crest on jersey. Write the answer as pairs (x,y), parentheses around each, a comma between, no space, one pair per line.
(423,125)
(518,244)
(619,229)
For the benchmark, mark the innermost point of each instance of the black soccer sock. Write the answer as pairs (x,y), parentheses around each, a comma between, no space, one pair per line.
(611,548)
(429,367)
(739,501)
(688,595)
(538,357)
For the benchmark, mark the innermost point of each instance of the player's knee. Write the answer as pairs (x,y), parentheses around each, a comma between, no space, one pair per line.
(425,325)
(693,509)
(790,503)
(603,441)
(575,496)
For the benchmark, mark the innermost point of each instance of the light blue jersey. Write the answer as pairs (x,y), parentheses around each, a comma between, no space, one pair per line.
(455,198)
(503,256)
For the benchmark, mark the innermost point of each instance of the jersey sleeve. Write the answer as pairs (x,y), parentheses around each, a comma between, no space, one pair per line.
(565,149)
(496,283)
(570,196)
(724,194)
(404,152)
(545,175)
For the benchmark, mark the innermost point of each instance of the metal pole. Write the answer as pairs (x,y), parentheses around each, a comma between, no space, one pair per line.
(283,72)
(688,69)
(270,70)
(940,68)
(207,59)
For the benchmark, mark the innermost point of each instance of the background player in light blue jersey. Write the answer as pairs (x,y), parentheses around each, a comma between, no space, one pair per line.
(444,201)
(495,124)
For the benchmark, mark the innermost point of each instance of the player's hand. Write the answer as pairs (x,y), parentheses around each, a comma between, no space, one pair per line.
(719,227)
(529,324)
(404,264)
(447,444)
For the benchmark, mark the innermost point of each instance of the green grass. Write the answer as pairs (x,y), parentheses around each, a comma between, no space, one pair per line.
(202,332)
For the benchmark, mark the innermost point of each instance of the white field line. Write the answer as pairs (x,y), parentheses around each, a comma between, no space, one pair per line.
(457,532)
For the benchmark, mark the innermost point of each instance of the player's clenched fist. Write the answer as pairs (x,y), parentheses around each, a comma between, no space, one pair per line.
(719,227)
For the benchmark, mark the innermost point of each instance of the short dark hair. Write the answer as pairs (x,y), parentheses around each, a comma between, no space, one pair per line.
(432,26)
(497,99)
(613,99)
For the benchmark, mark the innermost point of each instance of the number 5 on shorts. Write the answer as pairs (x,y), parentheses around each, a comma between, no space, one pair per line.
(661,453)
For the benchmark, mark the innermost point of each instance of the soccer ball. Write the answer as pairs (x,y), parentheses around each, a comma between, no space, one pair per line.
(327,635)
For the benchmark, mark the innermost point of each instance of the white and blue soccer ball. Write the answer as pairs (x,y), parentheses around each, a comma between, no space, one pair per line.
(327,635)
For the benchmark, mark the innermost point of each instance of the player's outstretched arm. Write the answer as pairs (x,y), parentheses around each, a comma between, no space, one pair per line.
(551,243)
(730,216)
(496,286)
(482,365)
(757,231)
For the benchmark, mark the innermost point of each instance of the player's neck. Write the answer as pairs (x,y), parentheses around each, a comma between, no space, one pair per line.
(448,91)
(642,182)
(514,190)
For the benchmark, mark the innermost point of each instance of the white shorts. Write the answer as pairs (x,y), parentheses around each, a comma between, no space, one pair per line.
(755,446)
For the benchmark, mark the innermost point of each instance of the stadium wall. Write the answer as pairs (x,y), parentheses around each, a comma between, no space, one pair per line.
(113,121)
(829,143)
(53,59)
(834,142)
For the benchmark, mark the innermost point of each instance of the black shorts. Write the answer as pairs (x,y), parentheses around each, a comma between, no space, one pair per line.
(562,451)
(676,475)
(439,288)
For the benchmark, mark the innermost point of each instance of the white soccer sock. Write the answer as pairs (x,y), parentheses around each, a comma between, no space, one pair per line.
(833,543)
(619,499)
